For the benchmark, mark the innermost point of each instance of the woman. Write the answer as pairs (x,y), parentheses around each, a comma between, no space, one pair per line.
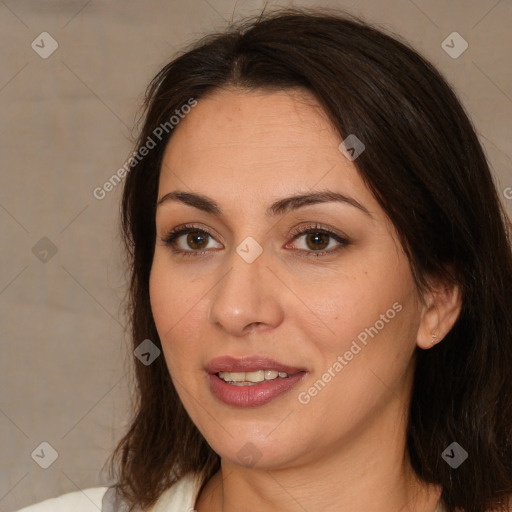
(321,274)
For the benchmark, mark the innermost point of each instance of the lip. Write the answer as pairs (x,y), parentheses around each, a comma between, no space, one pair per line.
(251,395)
(248,364)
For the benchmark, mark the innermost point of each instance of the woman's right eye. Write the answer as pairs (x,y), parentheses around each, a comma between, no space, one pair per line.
(193,244)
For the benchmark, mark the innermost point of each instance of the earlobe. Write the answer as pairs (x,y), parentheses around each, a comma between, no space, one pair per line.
(441,309)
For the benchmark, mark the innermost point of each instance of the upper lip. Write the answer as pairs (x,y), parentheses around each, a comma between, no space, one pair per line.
(248,364)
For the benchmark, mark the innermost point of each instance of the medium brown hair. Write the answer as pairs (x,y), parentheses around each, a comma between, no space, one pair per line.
(426,167)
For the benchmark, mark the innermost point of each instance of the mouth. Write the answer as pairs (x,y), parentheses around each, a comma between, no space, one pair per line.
(251,378)
(251,381)
(249,364)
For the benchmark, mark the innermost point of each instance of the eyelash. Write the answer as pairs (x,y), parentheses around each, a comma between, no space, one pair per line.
(304,230)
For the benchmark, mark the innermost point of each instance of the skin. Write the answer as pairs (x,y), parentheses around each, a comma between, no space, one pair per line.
(345,449)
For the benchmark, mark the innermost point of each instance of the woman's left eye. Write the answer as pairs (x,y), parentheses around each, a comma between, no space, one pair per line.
(318,241)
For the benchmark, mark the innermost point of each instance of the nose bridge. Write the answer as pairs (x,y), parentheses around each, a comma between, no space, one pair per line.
(245,294)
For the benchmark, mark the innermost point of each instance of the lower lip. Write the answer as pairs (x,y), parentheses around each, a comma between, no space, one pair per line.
(253,395)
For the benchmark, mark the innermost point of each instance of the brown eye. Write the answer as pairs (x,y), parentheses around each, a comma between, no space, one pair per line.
(197,239)
(317,241)
(314,241)
(189,240)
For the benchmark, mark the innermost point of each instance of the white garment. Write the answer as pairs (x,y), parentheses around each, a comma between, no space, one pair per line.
(181,497)
(87,501)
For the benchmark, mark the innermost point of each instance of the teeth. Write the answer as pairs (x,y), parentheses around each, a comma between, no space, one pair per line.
(249,378)
(258,376)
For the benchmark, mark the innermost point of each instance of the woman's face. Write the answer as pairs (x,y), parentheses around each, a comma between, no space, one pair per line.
(320,291)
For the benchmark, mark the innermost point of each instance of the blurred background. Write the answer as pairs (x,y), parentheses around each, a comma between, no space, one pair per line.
(72,79)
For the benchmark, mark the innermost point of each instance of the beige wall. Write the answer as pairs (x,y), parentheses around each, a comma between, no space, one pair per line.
(65,128)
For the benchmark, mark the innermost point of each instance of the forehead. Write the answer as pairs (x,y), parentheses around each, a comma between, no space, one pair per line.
(248,144)
(230,118)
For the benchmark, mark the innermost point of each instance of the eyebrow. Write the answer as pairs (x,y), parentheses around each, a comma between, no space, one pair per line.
(279,207)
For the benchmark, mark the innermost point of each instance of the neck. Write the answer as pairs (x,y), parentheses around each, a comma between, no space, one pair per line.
(371,471)
(231,490)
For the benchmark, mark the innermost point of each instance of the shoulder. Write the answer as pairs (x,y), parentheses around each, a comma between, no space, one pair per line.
(88,500)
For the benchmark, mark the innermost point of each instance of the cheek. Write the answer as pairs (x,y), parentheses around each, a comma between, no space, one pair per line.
(366,357)
(373,317)
(171,293)
(162,296)
(177,310)
(359,304)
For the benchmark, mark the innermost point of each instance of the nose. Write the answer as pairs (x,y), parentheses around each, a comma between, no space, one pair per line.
(247,297)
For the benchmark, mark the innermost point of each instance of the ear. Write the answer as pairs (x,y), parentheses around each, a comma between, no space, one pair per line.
(441,308)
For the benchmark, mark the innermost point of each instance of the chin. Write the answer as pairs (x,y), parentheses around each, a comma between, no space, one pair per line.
(258,451)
